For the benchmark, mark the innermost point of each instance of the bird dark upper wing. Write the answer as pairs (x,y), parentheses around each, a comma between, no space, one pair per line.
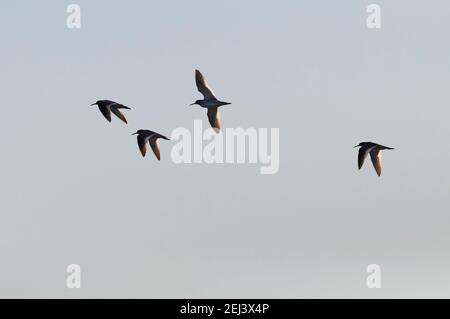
(106,113)
(142,145)
(214,118)
(375,155)
(362,155)
(119,114)
(203,86)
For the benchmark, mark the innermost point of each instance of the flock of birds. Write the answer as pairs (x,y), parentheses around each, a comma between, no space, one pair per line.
(212,104)
(145,137)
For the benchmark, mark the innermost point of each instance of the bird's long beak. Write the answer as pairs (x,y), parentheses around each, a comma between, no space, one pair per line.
(93,104)
(192,104)
(356,146)
(135,133)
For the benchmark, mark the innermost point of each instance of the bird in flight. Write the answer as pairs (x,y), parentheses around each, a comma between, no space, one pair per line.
(209,101)
(374,150)
(106,107)
(146,136)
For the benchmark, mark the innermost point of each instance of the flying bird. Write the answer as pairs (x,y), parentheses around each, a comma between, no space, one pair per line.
(374,150)
(146,136)
(106,107)
(209,101)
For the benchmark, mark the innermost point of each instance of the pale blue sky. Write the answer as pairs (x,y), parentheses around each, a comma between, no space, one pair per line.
(75,189)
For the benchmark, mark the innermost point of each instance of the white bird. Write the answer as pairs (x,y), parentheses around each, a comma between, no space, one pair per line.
(209,101)
(375,154)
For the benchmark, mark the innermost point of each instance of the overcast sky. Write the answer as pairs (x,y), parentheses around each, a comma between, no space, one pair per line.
(74,188)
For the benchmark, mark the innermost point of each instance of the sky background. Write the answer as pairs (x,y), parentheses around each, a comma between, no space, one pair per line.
(74,188)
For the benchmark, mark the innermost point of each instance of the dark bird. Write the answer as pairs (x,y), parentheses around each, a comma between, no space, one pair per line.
(106,107)
(209,101)
(374,150)
(146,136)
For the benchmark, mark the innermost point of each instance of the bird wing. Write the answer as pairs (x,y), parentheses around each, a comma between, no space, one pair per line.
(203,86)
(375,155)
(214,118)
(117,113)
(106,113)
(142,143)
(154,143)
(362,155)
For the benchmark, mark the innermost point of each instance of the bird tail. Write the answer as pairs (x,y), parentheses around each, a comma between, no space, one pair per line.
(163,137)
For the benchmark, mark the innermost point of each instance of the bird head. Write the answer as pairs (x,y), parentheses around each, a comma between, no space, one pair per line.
(138,132)
(363,144)
(196,102)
